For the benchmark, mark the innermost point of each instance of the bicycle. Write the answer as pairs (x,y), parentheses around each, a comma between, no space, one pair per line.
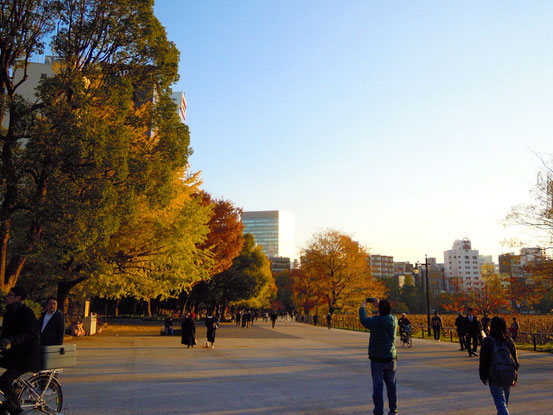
(40,393)
(405,337)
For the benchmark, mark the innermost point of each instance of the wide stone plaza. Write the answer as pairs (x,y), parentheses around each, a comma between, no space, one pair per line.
(292,369)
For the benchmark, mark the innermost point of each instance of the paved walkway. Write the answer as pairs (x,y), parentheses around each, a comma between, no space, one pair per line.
(292,369)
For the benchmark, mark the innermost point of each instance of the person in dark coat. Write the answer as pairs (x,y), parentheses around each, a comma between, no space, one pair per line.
(51,324)
(168,326)
(188,330)
(514,329)
(273,318)
(436,324)
(498,334)
(472,330)
(20,346)
(211,324)
(460,325)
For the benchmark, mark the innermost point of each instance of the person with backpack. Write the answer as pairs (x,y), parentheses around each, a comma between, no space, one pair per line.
(499,364)
(436,324)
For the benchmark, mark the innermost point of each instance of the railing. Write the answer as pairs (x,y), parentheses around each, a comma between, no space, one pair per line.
(449,333)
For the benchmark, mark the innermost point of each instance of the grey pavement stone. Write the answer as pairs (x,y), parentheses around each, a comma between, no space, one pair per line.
(292,369)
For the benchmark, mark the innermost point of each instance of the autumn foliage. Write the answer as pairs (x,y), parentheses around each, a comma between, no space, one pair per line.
(491,298)
(336,273)
(225,238)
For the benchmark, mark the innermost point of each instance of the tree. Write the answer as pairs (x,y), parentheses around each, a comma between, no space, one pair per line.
(102,140)
(248,282)
(537,216)
(225,238)
(489,299)
(158,255)
(304,290)
(285,293)
(24,24)
(534,285)
(340,269)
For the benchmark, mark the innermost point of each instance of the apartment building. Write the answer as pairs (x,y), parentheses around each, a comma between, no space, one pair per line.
(462,267)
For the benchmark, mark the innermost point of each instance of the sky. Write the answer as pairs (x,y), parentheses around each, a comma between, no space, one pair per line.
(405,124)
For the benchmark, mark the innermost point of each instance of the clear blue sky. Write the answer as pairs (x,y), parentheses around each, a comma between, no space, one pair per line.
(406,124)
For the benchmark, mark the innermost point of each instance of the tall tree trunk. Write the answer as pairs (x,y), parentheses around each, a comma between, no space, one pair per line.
(64,288)
(63,296)
(117,307)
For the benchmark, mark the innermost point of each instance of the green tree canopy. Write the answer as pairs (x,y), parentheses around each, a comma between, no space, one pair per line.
(102,144)
(247,282)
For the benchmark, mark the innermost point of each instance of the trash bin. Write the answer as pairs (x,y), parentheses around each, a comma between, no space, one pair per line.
(89,324)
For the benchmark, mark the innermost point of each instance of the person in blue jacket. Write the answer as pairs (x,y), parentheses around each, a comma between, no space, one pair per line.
(382,354)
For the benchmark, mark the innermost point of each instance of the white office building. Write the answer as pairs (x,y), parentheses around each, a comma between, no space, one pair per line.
(462,267)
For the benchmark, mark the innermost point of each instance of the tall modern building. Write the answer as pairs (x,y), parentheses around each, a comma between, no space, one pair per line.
(462,267)
(273,230)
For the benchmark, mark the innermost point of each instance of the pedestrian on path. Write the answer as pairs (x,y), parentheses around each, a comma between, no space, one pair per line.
(436,324)
(460,325)
(514,329)
(473,330)
(329,320)
(273,319)
(188,330)
(499,364)
(211,322)
(382,354)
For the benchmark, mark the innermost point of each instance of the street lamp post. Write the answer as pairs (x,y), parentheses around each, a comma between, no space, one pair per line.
(427,291)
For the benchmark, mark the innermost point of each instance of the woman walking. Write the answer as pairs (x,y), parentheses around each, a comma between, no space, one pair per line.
(499,364)
(188,330)
(211,324)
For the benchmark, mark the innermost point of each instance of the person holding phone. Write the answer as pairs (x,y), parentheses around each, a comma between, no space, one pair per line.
(382,353)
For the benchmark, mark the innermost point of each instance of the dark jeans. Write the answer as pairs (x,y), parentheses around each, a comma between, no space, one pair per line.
(436,333)
(384,373)
(462,343)
(474,338)
(6,386)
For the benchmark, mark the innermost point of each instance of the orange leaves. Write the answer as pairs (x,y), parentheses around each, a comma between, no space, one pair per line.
(225,238)
(491,298)
(337,270)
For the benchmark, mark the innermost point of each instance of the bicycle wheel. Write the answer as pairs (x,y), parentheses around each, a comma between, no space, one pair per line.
(410,341)
(39,399)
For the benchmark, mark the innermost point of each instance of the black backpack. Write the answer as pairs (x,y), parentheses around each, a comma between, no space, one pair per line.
(503,367)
